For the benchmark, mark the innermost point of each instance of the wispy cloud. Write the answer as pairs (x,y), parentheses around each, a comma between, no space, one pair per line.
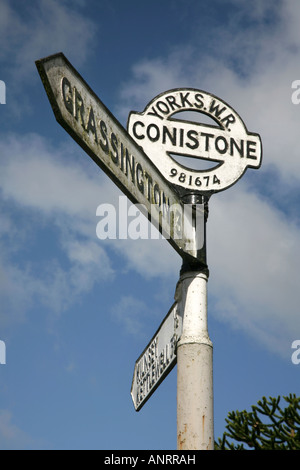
(40,28)
(43,28)
(40,191)
(129,313)
(254,259)
(48,178)
(47,192)
(252,239)
(12,437)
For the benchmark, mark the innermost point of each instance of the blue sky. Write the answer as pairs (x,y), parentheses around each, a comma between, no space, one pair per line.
(76,311)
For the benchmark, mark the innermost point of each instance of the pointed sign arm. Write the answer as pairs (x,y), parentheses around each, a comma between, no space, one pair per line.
(82,114)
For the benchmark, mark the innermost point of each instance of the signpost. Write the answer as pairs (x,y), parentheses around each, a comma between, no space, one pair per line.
(142,162)
(81,113)
(234,149)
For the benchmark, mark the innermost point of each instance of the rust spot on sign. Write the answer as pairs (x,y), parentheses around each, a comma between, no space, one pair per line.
(181,438)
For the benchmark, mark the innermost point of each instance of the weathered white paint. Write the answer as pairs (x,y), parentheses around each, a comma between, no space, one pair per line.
(195,426)
(229,144)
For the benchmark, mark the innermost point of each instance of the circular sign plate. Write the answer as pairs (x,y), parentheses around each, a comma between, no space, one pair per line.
(228,144)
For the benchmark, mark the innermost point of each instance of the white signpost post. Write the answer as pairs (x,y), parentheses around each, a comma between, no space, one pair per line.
(234,149)
(142,162)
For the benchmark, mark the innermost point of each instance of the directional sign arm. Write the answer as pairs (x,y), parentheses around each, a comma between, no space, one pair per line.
(81,113)
(71,100)
(158,358)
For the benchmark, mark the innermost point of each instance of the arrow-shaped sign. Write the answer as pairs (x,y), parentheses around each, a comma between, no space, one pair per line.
(157,359)
(81,113)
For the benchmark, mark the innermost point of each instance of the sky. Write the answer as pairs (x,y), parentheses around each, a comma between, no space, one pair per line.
(77,311)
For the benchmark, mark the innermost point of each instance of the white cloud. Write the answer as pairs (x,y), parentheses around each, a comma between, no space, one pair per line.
(254,259)
(129,312)
(13,437)
(49,284)
(150,258)
(50,179)
(36,30)
(49,26)
(252,245)
(43,186)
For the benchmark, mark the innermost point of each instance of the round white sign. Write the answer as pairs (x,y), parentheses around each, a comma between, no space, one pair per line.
(229,144)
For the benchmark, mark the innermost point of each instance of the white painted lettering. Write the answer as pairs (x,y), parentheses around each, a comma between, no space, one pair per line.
(2,352)
(296,354)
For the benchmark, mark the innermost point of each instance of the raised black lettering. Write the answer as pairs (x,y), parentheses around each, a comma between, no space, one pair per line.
(154,113)
(181,137)
(122,157)
(91,125)
(130,164)
(235,145)
(139,178)
(251,149)
(138,123)
(230,119)
(215,109)
(162,107)
(172,102)
(199,103)
(167,133)
(224,147)
(114,143)
(149,185)
(153,138)
(67,94)
(207,137)
(184,100)
(78,107)
(104,142)
(192,135)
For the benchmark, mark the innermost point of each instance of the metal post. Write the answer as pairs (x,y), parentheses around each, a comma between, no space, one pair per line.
(195,425)
(195,429)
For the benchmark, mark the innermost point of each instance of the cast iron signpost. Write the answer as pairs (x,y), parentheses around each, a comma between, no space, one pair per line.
(144,165)
(228,144)
(97,131)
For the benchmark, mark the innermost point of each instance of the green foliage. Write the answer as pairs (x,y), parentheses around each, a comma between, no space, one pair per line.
(266,427)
